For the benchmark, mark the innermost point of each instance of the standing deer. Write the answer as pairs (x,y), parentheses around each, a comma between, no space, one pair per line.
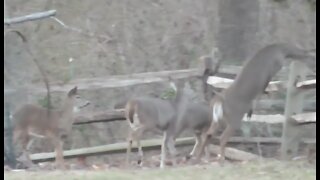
(147,114)
(195,117)
(168,116)
(33,121)
(231,105)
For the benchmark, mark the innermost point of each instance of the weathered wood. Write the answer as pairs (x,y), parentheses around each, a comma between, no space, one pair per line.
(273,86)
(107,149)
(8,143)
(156,144)
(118,115)
(104,116)
(278,105)
(309,84)
(30,17)
(291,134)
(127,80)
(305,117)
(234,154)
(279,118)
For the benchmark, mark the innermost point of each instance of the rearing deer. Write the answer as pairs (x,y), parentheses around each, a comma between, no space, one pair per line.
(231,105)
(32,120)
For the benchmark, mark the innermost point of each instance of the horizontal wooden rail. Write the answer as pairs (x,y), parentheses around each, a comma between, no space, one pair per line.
(226,71)
(118,115)
(102,116)
(273,86)
(156,144)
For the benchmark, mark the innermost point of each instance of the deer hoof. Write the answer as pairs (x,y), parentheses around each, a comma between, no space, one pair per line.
(60,166)
(140,163)
(188,157)
(221,159)
(162,166)
(195,160)
(32,167)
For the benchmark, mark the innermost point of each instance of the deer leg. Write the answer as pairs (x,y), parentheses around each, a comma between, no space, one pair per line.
(223,141)
(58,144)
(135,134)
(29,144)
(140,152)
(59,154)
(163,150)
(172,149)
(196,145)
(206,149)
(138,135)
(213,127)
(26,143)
(130,139)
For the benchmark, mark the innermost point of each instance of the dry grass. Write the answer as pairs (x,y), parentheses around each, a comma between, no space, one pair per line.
(265,170)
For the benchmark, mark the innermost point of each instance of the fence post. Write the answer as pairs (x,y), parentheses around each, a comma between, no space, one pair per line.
(8,146)
(294,105)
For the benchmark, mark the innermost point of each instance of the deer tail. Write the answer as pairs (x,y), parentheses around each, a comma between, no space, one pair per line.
(130,110)
(209,71)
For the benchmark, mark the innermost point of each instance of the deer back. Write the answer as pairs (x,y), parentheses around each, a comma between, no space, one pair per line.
(154,112)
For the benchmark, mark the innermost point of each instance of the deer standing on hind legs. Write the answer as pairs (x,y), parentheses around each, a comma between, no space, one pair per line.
(231,105)
(33,121)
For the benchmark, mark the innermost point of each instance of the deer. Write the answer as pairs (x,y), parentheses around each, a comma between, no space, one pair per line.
(171,117)
(148,114)
(209,91)
(32,121)
(196,117)
(230,105)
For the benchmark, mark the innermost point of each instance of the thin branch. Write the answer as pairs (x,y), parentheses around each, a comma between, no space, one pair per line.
(42,72)
(30,17)
(80,30)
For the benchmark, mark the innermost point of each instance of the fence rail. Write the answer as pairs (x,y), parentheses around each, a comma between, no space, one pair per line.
(227,71)
(152,144)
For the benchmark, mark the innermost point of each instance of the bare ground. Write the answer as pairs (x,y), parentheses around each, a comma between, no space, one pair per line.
(260,170)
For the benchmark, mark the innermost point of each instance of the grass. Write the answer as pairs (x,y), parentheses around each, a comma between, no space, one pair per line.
(266,170)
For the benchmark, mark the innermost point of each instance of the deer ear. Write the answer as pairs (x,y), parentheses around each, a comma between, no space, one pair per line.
(73,91)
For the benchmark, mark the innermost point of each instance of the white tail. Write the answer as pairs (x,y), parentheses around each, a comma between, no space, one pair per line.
(168,116)
(250,83)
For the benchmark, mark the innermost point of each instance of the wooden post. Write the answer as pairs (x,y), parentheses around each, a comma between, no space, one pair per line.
(8,146)
(294,105)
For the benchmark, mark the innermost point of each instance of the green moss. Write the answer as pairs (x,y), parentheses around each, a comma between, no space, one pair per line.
(168,94)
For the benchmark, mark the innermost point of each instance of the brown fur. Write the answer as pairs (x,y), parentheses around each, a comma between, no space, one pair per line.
(130,109)
(250,83)
(32,120)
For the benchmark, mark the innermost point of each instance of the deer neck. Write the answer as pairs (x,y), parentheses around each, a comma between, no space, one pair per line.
(180,97)
(67,112)
(180,104)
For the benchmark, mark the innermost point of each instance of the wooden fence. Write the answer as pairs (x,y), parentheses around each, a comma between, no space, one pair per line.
(128,80)
(295,96)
